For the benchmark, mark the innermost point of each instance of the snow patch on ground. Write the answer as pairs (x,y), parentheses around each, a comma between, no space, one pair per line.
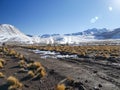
(52,54)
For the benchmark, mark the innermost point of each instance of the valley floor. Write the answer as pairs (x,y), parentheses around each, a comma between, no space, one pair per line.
(94,75)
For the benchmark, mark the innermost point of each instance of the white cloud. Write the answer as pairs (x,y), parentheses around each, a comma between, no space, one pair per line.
(93,20)
(110,8)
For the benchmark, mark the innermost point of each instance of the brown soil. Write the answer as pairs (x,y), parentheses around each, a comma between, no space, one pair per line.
(94,75)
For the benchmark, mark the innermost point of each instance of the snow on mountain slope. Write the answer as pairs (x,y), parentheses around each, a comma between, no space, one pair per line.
(11,34)
(85,36)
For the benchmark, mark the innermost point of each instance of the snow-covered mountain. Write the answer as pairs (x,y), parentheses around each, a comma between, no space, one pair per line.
(85,36)
(9,33)
(115,34)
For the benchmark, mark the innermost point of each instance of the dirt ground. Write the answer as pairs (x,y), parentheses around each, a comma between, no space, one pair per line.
(93,74)
(12,69)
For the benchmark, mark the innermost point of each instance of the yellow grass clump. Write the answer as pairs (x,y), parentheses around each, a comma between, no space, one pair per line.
(22,63)
(2,75)
(17,55)
(39,69)
(15,87)
(1,65)
(21,56)
(12,52)
(36,64)
(43,73)
(5,50)
(2,61)
(31,73)
(13,83)
(40,72)
(60,87)
(29,65)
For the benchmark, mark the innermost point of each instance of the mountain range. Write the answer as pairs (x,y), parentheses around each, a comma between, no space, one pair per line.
(9,33)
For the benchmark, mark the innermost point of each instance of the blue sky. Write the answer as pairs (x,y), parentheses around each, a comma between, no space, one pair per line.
(38,17)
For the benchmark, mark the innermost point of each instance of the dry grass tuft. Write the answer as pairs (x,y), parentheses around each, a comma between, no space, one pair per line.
(60,87)
(13,83)
(12,52)
(2,75)
(22,63)
(37,65)
(1,65)
(2,61)
(21,57)
(34,65)
(31,74)
(43,73)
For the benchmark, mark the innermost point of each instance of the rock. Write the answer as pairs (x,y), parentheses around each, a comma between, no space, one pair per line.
(86,81)
(79,85)
(52,71)
(95,71)
(100,85)
(96,88)
(27,86)
(15,73)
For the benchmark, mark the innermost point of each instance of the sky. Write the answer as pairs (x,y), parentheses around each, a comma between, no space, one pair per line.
(38,17)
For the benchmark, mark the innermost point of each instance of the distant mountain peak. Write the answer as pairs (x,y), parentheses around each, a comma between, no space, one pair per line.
(10,33)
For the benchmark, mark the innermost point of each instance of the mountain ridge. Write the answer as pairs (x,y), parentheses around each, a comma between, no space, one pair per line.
(9,33)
